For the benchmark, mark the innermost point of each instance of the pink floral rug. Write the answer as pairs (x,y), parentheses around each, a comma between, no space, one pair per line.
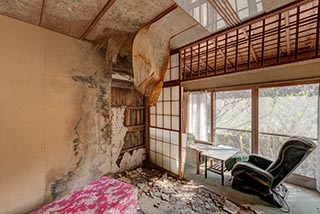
(105,195)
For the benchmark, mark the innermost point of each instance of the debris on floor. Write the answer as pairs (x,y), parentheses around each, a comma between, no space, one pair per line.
(162,193)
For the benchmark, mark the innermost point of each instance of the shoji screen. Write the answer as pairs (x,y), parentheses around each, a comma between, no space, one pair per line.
(165,124)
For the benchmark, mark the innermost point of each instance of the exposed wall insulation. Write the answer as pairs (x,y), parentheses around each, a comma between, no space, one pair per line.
(118,133)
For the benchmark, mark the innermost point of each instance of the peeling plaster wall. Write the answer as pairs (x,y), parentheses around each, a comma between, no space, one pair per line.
(56,116)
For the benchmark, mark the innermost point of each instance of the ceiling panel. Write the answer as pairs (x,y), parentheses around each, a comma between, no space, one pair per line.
(177,21)
(23,10)
(270,5)
(70,17)
(128,16)
(193,34)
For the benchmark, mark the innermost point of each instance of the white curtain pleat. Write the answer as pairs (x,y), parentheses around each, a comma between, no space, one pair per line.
(199,114)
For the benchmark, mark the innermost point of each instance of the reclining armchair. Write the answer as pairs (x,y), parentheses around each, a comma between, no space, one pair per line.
(264,177)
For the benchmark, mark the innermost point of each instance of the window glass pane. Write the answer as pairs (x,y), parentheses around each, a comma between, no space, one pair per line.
(167,122)
(196,14)
(152,120)
(166,149)
(166,163)
(175,108)
(175,122)
(152,145)
(159,108)
(167,76)
(204,16)
(159,121)
(152,157)
(174,166)
(221,24)
(233,110)
(159,146)
(202,11)
(259,7)
(174,151)
(174,60)
(159,159)
(242,4)
(166,93)
(175,73)
(237,139)
(288,111)
(152,110)
(166,108)
(175,93)
(243,13)
(174,137)
(233,119)
(152,132)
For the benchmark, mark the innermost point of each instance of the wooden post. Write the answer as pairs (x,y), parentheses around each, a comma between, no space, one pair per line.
(207,43)
(199,59)
(225,52)
(191,62)
(317,31)
(147,129)
(237,46)
(212,108)
(249,46)
(180,133)
(297,34)
(262,43)
(279,36)
(255,121)
(215,54)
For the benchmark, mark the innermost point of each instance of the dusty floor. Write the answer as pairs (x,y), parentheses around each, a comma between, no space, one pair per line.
(300,200)
(161,193)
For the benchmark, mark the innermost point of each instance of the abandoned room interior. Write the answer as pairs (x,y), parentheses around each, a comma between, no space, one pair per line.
(148,106)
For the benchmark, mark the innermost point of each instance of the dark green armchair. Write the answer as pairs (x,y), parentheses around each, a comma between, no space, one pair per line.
(263,177)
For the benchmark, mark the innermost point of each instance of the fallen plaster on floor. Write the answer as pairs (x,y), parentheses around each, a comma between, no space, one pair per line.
(162,193)
(133,160)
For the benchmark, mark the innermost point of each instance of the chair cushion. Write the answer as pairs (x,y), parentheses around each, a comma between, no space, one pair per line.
(239,157)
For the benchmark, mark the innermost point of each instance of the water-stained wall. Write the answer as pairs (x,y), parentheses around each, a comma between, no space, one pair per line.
(55,116)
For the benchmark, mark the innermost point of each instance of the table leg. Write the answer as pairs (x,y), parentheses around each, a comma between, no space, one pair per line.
(197,162)
(222,172)
(205,167)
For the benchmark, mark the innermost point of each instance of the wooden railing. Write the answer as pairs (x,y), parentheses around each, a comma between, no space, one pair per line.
(287,35)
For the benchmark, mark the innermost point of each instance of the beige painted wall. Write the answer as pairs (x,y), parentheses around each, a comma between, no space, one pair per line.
(42,113)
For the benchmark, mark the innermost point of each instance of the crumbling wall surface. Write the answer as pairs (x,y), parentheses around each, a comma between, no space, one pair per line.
(58,130)
(131,160)
(55,127)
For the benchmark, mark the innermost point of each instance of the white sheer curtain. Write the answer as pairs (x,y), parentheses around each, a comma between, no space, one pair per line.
(199,115)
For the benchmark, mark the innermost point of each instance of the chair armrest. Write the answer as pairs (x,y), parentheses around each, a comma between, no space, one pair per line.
(253,172)
(260,161)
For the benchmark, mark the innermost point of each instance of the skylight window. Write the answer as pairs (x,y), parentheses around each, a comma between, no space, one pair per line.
(214,15)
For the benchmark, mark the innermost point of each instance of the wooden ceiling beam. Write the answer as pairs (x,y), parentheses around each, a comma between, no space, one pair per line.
(229,15)
(42,9)
(97,18)
(203,61)
(161,15)
(221,12)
